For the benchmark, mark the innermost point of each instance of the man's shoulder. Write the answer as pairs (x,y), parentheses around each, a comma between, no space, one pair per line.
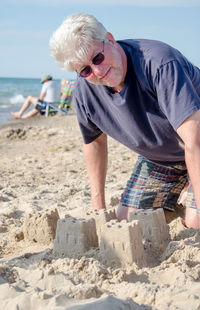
(47,84)
(53,84)
(151,50)
(145,44)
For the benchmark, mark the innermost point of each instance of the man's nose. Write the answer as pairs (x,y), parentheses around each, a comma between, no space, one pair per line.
(98,70)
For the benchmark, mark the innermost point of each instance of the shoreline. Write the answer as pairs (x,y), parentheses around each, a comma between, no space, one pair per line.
(33,120)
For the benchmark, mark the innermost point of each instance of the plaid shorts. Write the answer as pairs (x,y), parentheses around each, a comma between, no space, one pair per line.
(154,186)
(41,107)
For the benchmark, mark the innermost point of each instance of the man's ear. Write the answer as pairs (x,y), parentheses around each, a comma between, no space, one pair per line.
(110,37)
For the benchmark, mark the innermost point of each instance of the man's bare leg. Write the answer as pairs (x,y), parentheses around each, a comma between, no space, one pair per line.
(32,113)
(29,100)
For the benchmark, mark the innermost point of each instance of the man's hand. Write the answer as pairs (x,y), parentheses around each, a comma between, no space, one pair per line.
(192,218)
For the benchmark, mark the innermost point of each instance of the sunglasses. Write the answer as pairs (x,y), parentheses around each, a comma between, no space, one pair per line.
(97,60)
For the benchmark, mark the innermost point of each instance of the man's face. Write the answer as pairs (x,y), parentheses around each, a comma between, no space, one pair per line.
(111,69)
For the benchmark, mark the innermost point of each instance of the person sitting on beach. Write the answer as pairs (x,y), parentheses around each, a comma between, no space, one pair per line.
(145,94)
(67,87)
(50,94)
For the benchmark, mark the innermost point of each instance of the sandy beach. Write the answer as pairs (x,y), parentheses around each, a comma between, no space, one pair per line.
(41,170)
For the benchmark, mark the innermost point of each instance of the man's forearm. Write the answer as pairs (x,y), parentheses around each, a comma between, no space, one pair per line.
(192,216)
(189,133)
(193,167)
(95,154)
(41,97)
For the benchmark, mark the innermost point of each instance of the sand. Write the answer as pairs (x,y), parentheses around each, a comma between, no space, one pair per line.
(42,170)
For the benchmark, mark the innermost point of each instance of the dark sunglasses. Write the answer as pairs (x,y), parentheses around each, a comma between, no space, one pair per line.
(97,60)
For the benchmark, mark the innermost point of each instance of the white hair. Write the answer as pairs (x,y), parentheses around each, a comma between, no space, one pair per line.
(72,41)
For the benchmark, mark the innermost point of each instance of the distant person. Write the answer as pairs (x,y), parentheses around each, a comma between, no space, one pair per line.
(50,94)
(67,87)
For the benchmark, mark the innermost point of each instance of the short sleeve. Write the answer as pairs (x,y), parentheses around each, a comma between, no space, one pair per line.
(176,94)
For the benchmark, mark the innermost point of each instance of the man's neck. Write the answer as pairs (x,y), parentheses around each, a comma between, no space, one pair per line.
(117,89)
(124,63)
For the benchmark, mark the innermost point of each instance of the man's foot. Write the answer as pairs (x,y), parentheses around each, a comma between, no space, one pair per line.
(16,114)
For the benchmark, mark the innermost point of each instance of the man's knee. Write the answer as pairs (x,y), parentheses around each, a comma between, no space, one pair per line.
(32,99)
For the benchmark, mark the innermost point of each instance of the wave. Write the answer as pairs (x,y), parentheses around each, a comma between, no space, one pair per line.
(18,98)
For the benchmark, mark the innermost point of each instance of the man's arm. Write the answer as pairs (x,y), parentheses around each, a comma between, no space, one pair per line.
(42,95)
(43,91)
(95,154)
(189,131)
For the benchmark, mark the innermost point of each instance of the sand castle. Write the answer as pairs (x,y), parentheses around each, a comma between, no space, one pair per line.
(153,226)
(101,217)
(75,236)
(40,227)
(120,242)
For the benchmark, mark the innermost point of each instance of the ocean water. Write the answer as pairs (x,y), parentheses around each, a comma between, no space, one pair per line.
(13,92)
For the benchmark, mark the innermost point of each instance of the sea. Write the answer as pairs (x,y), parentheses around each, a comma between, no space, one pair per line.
(13,92)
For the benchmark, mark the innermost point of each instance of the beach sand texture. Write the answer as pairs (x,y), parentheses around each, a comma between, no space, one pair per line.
(43,179)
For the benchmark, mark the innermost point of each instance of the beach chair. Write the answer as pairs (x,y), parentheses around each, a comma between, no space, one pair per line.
(52,109)
(64,105)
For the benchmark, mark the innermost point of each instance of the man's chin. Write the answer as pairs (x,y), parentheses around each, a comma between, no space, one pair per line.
(104,83)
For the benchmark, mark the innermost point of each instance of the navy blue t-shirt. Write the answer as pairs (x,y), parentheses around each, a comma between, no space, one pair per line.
(161,89)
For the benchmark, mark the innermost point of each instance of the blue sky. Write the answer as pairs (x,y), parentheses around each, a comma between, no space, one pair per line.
(26,26)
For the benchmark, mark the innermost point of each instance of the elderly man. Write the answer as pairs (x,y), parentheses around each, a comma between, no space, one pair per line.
(146,95)
(50,94)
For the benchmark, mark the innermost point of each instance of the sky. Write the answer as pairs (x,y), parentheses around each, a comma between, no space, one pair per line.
(27,25)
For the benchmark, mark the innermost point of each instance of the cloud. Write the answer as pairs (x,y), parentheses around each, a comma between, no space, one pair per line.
(148,3)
